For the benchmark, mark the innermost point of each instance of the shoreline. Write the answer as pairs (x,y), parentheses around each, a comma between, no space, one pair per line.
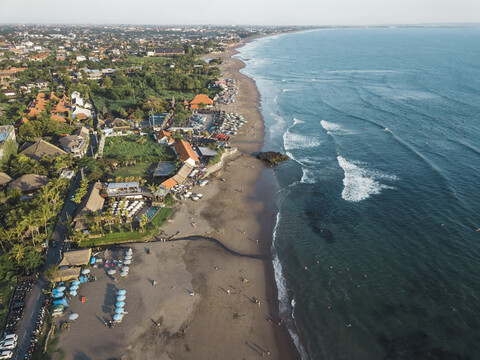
(193,299)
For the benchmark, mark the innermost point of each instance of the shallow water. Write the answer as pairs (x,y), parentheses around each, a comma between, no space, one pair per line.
(376,236)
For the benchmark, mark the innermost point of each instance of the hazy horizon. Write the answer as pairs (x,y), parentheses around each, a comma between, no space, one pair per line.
(246,12)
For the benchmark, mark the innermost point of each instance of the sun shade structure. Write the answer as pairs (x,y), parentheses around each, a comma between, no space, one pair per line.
(120,304)
(73,316)
(85,271)
(122,292)
(76,257)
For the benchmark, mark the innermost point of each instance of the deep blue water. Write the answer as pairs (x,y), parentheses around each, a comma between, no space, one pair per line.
(377,235)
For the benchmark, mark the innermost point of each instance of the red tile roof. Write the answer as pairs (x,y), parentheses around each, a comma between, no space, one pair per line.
(201,99)
(184,151)
(168,184)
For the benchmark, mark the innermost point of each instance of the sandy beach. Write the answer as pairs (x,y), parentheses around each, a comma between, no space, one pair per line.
(192,299)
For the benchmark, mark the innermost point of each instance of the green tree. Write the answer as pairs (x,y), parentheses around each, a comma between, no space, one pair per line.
(17,252)
(51,273)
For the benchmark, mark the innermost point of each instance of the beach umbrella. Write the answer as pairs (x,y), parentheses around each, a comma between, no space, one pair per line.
(117,317)
(111,272)
(122,292)
(58,295)
(76,282)
(127,262)
(119,310)
(73,288)
(124,274)
(73,316)
(120,304)
(73,292)
(85,271)
(61,288)
(121,297)
(58,307)
(125,268)
(128,257)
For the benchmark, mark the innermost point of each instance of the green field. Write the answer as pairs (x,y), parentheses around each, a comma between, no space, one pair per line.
(151,229)
(136,148)
(141,170)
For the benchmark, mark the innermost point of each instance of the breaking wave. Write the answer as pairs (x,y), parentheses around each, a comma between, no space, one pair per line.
(360,183)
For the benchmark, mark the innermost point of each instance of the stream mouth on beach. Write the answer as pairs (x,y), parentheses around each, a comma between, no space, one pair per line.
(374,244)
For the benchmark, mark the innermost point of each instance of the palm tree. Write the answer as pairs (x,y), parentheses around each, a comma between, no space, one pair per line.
(18,252)
(152,188)
(143,222)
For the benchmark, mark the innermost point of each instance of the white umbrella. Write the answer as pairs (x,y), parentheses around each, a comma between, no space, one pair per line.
(85,271)
(124,273)
(61,288)
(125,269)
(128,257)
(74,287)
(73,292)
(120,304)
(127,262)
(121,297)
(111,272)
(122,292)
(73,316)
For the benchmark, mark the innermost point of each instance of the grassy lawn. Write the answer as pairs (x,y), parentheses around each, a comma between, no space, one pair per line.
(138,148)
(138,170)
(131,236)
(161,217)
(114,105)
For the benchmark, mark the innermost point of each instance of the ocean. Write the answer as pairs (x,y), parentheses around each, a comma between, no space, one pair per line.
(376,243)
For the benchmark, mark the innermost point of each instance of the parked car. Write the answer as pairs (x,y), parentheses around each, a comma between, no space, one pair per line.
(54,244)
(6,354)
(10,337)
(7,345)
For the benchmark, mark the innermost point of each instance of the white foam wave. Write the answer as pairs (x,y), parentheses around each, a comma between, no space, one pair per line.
(308,176)
(285,310)
(297,121)
(296,141)
(330,126)
(360,183)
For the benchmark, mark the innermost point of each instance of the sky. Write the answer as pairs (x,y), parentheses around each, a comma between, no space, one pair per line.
(240,12)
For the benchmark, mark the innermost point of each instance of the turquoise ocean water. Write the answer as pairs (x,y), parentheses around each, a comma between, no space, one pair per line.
(376,241)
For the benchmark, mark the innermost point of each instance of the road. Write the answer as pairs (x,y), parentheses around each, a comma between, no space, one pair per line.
(36,296)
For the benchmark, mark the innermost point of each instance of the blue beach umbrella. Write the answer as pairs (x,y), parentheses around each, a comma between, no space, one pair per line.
(73,293)
(117,317)
(76,283)
(61,288)
(121,298)
(122,292)
(120,304)
(74,287)
(119,310)
(58,295)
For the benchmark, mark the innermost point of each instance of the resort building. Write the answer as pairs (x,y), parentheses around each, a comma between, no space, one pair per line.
(164,137)
(124,189)
(76,144)
(92,202)
(39,149)
(29,183)
(185,152)
(201,101)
